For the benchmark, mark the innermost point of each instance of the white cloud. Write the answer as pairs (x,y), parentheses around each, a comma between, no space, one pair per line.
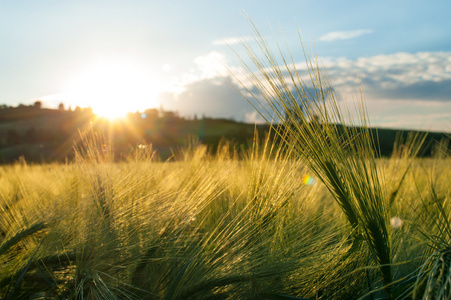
(253,118)
(426,120)
(167,68)
(409,114)
(211,65)
(344,35)
(423,75)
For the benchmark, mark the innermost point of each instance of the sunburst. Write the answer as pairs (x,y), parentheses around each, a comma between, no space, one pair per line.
(112,89)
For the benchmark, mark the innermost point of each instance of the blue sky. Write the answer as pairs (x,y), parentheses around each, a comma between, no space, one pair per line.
(119,56)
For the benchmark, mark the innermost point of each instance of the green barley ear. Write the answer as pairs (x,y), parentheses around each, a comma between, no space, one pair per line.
(438,285)
(434,276)
(324,135)
(20,236)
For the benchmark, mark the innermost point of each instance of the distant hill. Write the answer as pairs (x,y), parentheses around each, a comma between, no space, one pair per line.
(45,135)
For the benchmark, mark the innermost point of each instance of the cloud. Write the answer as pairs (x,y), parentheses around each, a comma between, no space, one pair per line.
(211,65)
(423,75)
(254,118)
(344,35)
(402,90)
(426,90)
(167,68)
(231,41)
(211,97)
(425,120)
(408,85)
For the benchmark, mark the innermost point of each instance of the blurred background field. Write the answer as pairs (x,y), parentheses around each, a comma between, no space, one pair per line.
(205,226)
(43,135)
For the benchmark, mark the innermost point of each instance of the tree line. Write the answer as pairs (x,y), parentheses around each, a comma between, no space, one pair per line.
(42,134)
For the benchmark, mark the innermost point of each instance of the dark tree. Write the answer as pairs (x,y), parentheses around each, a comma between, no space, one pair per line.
(151,113)
(61,107)
(37,104)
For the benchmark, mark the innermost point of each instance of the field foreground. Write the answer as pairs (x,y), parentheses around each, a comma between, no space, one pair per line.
(216,227)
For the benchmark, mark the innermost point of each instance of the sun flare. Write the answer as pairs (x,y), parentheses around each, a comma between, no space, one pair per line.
(113,89)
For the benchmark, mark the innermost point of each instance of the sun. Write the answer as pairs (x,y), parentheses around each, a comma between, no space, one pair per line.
(112,89)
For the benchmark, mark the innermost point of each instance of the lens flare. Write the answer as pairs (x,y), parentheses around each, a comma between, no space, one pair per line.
(308,180)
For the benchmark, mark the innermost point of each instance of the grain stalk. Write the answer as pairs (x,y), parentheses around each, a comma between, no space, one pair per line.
(314,125)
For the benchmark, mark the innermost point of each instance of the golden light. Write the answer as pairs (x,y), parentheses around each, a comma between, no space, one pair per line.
(112,89)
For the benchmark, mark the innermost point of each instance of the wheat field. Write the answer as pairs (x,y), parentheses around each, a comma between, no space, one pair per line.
(214,226)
